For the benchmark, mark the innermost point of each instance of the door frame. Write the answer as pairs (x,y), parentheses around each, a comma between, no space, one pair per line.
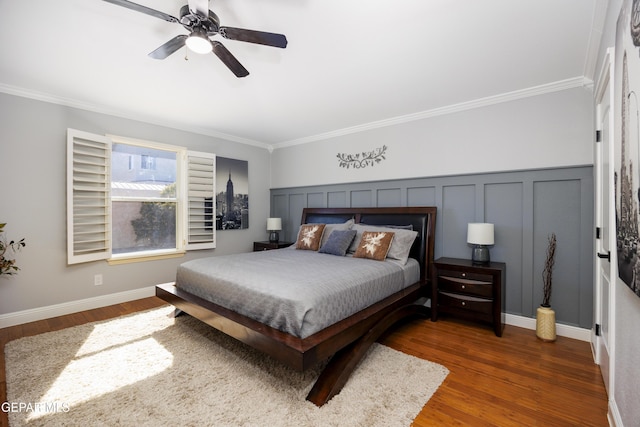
(605,79)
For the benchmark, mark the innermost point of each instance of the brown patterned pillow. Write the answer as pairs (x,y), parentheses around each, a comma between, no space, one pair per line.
(374,245)
(310,236)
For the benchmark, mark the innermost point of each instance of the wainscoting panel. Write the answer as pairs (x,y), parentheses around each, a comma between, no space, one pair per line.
(336,199)
(421,196)
(503,204)
(315,200)
(457,210)
(388,197)
(280,208)
(556,210)
(525,206)
(362,198)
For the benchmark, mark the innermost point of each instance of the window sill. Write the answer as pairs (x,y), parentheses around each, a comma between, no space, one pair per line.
(147,256)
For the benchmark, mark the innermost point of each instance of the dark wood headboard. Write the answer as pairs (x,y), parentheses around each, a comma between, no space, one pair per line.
(422,220)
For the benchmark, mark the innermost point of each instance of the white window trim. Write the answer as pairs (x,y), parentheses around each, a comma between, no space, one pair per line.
(155,253)
(191,189)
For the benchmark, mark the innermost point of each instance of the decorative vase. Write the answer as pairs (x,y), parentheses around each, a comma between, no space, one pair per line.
(546,324)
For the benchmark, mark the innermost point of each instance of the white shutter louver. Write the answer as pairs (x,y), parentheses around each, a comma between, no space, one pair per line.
(88,197)
(201,202)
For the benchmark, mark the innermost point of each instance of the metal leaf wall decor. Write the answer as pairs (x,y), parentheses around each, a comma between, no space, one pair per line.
(362,160)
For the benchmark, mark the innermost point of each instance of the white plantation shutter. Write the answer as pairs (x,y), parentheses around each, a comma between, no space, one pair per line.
(201,200)
(88,197)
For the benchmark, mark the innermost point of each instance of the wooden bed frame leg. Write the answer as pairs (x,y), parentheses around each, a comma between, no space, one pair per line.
(342,364)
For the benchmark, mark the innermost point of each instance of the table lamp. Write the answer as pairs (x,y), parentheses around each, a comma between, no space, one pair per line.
(273,226)
(480,235)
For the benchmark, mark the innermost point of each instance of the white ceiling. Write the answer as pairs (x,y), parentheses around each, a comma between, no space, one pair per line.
(349,64)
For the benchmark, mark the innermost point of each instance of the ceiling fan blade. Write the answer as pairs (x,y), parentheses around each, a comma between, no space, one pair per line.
(251,36)
(229,60)
(199,7)
(144,9)
(169,47)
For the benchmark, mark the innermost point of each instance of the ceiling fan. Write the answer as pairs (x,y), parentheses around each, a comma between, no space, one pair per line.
(203,24)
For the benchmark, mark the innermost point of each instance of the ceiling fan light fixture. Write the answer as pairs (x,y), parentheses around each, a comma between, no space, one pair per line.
(198,42)
(202,24)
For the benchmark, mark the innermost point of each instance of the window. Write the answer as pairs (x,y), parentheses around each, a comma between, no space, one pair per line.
(147,162)
(144,201)
(116,209)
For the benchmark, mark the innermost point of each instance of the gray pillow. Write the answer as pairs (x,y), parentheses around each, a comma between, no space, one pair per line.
(328,228)
(331,227)
(338,242)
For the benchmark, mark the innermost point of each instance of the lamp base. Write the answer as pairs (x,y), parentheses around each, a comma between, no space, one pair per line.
(274,237)
(480,255)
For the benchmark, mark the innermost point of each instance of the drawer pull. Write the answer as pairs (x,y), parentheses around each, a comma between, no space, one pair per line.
(462,286)
(464,274)
(464,303)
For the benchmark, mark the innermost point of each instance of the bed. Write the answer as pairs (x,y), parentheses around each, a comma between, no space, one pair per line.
(343,342)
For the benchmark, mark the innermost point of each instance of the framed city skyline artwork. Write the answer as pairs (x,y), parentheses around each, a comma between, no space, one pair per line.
(627,144)
(232,194)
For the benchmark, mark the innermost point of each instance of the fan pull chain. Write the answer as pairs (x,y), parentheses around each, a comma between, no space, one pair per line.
(186,53)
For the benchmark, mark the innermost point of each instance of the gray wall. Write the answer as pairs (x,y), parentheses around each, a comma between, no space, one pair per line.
(525,206)
(33,203)
(539,130)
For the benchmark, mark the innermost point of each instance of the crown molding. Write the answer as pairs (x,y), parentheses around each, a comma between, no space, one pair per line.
(455,108)
(68,102)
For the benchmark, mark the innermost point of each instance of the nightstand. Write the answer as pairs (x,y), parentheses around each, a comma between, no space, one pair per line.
(475,292)
(267,246)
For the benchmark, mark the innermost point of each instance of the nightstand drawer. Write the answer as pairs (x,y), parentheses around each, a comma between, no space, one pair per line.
(460,287)
(461,302)
(465,286)
(487,278)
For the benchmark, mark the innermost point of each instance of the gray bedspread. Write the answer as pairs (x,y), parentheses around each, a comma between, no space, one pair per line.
(295,291)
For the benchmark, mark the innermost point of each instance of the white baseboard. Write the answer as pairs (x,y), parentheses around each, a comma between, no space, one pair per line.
(561,330)
(32,315)
(613,415)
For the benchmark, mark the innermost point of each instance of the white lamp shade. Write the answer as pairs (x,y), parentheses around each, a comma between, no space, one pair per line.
(480,233)
(274,224)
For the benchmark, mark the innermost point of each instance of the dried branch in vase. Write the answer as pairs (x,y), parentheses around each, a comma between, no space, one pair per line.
(548,270)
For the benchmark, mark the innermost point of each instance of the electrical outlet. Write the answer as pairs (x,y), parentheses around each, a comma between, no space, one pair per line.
(97,280)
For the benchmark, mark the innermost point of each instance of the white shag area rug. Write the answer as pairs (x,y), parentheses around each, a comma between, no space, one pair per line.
(151,369)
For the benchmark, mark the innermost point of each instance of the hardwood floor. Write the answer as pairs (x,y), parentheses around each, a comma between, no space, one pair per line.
(516,380)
